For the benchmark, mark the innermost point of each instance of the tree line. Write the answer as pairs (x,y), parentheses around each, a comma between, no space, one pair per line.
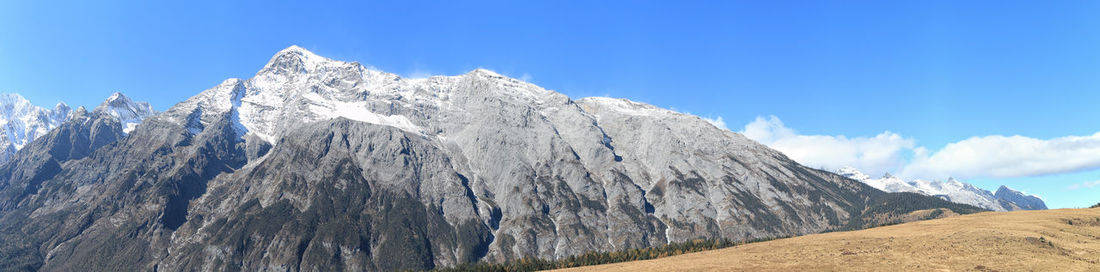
(598,258)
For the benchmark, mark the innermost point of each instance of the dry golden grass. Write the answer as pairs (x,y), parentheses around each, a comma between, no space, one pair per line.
(1051,240)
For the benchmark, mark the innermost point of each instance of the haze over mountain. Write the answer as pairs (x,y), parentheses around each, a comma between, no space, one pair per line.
(319,164)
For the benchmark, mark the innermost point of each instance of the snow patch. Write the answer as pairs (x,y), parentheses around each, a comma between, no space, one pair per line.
(358,111)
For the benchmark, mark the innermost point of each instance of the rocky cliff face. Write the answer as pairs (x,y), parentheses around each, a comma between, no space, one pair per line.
(1020,199)
(317,164)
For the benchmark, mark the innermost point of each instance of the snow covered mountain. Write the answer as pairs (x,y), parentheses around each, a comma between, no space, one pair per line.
(22,122)
(320,164)
(126,111)
(951,190)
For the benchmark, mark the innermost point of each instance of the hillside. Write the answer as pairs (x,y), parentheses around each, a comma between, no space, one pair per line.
(1052,240)
(321,164)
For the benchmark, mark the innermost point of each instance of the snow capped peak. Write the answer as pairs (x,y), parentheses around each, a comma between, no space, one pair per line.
(887,182)
(484,72)
(295,49)
(117,96)
(298,86)
(14,104)
(297,60)
(116,99)
(852,173)
(12,98)
(22,122)
(128,112)
(952,190)
(298,52)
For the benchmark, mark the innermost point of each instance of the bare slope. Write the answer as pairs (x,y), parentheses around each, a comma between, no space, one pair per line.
(1052,240)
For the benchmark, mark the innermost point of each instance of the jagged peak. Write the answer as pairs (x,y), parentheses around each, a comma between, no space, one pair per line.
(120,100)
(852,173)
(296,59)
(13,98)
(295,50)
(127,111)
(116,98)
(484,72)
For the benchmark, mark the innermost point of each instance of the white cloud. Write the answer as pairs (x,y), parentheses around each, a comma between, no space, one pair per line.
(876,155)
(977,157)
(1008,156)
(717,122)
(1083,185)
(526,77)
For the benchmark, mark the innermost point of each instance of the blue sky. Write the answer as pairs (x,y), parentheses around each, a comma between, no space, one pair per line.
(931,73)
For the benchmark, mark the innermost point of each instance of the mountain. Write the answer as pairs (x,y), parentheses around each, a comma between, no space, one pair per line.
(319,164)
(1020,199)
(128,112)
(952,190)
(22,122)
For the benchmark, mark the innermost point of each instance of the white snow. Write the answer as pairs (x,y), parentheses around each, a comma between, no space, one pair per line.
(952,189)
(628,107)
(128,112)
(358,111)
(22,122)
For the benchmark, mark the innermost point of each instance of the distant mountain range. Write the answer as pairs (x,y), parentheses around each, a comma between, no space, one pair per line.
(22,122)
(318,164)
(1005,199)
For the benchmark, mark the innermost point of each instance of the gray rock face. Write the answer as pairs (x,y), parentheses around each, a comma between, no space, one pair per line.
(1019,199)
(316,164)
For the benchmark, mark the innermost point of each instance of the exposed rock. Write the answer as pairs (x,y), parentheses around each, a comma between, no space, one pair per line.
(1019,199)
(316,164)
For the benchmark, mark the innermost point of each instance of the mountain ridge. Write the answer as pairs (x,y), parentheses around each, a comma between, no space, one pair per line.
(22,122)
(1005,199)
(317,164)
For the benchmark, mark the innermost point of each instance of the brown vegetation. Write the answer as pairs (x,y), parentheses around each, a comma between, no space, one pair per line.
(1051,240)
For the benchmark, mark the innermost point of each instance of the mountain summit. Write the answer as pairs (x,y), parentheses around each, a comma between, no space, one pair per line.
(319,164)
(128,112)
